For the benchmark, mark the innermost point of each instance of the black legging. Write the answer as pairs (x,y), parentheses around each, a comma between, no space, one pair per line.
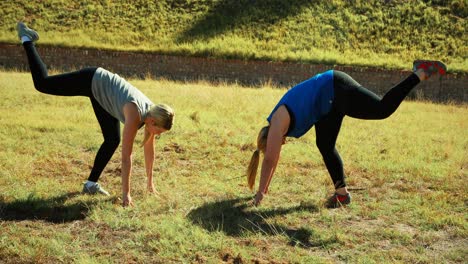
(351,99)
(77,83)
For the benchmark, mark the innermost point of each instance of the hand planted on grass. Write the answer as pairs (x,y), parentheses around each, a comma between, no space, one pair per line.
(151,189)
(258,198)
(127,200)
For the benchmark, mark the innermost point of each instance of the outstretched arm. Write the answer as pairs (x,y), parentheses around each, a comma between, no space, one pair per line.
(279,125)
(132,119)
(149,161)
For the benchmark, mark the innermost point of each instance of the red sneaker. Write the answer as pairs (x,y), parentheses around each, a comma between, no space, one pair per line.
(430,67)
(338,200)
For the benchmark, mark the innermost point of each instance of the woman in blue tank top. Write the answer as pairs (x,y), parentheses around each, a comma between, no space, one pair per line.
(323,101)
(114,100)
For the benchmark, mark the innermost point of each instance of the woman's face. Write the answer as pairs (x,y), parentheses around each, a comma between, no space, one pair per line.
(152,128)
(155,130)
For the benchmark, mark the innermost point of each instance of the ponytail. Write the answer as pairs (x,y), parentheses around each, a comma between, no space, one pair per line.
(252,169)
(255,160)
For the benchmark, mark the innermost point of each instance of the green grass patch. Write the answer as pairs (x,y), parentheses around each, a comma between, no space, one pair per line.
(387,34)
(406,174)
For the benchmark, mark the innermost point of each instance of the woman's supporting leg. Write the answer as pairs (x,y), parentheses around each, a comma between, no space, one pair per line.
(68,84)
(110,127)
(326,131)
(354,100)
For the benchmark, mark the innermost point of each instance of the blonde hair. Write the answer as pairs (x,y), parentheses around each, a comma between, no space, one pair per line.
(253,165)
(164,117)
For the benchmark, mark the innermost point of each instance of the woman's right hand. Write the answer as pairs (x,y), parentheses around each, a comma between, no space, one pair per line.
(127,200)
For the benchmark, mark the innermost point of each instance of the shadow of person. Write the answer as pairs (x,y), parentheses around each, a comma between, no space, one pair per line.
(227,15)
(58,209)
(234,217)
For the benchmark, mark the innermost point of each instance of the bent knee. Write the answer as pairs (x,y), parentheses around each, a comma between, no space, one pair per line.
(41,86)
(384,113)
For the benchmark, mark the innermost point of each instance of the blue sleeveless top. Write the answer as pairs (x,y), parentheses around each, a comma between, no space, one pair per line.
(307,103)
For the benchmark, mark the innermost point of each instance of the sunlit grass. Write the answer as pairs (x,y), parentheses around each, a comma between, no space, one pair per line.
(387,34)
(406,174)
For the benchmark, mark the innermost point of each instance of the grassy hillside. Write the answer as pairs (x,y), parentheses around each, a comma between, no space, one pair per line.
(378,33)
(407,175)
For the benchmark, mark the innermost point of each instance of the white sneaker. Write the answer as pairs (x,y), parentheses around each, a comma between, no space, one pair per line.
(94,188)
(24,31)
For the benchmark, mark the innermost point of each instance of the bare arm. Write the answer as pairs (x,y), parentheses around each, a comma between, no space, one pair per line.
(132,119)
(149,160)
(278,128)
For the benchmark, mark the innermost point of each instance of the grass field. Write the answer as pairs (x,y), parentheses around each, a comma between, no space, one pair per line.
(376,33)
(406,174)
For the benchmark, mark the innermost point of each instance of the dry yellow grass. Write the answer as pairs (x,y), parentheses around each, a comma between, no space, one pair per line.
(407,173)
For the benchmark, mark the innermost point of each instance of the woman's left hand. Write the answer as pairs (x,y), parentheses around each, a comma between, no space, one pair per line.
(258,198)
(151,188)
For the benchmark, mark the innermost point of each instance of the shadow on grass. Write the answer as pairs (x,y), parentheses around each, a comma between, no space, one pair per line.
(54,209)
(227,15)
(235,217)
